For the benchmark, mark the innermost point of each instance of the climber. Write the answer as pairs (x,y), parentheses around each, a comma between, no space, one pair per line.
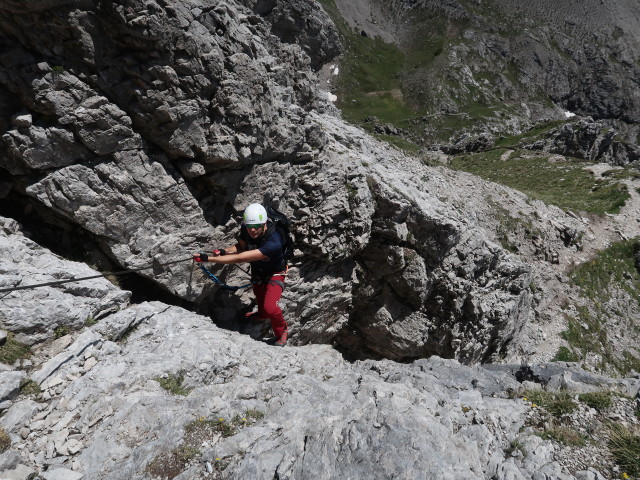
(262,245)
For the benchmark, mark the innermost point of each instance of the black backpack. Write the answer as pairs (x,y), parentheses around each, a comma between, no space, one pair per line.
(283,225)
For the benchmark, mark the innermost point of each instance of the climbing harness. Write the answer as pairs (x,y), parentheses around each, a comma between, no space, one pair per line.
(220,283)
(77,279)
(233,288)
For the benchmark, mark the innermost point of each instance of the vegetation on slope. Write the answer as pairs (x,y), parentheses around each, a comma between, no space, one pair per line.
(419,86)
(553,179)
(12,350)
(611,285)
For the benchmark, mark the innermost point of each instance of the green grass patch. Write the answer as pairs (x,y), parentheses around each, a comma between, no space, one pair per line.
(613,267)
(29,387)
(368,83)
(586,334)
(515,446)
(5,440)
(369,72)
(613,270)
(564,183)
(598,400)
(556,403)
(12,350)
(564,435)
(624,445)
(172,383)
(628,363)
(565,355)
(61,331)
(529,136)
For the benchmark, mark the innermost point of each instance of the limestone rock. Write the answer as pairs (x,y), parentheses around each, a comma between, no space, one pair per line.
(65,306)
(303,23)
(20,472)
(321,414)
(10,384)
(590,140)
(61,474)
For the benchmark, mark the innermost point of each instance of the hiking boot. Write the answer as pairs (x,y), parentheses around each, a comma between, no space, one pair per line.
(282,341)
(253,317)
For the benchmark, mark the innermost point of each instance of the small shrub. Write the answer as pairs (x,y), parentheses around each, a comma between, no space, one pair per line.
(352,191)
(61,331)
(598,400)
(172,383)
(565,355)
(254,414)
(625,448)
(227,429)
(514,446)
(5,440)
(90,321)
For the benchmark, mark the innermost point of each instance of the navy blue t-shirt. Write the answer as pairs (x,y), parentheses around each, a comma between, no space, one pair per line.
(271,244)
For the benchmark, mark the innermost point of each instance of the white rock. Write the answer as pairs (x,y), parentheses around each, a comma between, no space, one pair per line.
(61,474)
(21,472)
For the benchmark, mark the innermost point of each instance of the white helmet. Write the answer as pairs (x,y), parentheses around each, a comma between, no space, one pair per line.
(254,214)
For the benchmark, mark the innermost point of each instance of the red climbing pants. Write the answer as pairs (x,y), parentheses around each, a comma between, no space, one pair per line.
(267,295)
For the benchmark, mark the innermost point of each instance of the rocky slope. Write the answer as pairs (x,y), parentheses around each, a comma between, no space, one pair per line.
(156,391)
(132,135)
(497,67)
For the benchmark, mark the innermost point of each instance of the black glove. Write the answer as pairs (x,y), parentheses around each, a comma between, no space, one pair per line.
(201,257)
(219,252)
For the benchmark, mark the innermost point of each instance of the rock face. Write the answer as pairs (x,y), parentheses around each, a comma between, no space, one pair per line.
(209,95)
(35,315)
(588,140)
(302,23)
(242,409)
(150,125)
